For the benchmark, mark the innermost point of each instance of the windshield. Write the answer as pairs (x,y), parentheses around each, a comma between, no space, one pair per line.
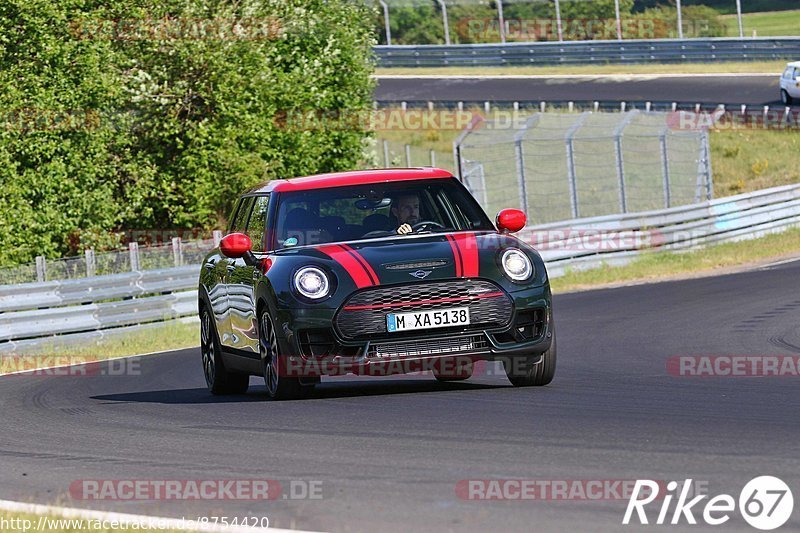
(376,210)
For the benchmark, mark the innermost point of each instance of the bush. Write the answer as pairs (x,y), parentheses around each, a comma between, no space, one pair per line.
(159,119)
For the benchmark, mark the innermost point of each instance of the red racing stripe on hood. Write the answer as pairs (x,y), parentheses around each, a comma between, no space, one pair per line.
(456,255)
(350,262)
(467,245)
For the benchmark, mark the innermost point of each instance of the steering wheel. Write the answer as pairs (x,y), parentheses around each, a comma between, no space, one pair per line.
(426,224)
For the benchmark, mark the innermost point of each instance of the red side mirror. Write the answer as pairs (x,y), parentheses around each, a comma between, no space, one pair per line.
(511,220)
(235,245)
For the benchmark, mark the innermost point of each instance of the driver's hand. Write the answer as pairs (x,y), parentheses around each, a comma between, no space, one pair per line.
(404,229)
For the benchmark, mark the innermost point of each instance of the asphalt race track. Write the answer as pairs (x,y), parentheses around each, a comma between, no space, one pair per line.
(712,89)
(389,452)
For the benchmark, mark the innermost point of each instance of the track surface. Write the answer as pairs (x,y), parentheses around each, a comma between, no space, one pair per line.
(761,90)
(389,452)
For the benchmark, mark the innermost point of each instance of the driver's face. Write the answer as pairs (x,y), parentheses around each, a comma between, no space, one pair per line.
(407,209)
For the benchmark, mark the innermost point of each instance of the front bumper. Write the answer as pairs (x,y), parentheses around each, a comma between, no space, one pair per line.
(316,349)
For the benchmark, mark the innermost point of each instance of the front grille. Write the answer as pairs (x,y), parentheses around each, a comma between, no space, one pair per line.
(363,315)
(446,346)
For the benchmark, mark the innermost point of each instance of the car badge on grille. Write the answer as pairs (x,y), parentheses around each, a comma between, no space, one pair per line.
(421,274)
(473,292)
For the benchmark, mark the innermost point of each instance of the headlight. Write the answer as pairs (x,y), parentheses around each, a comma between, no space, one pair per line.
(312,283)
(516,264)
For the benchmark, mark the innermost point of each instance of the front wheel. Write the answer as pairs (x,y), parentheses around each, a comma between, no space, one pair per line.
(522,374)
(218,380)
(785,98)
(279,385)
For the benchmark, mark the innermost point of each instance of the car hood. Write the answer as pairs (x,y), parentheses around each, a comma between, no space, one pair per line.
(407,259)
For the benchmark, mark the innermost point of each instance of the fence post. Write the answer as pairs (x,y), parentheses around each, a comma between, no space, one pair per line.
(91,267)
(41,268)
(408,156)
(520,157)
(386,162)
(623,201)
(217,236)
(502,21)
(177,251)
(571,174)
(433,158)
(708,175)
(444,20)
(133,250)
(386,22)
(665,170)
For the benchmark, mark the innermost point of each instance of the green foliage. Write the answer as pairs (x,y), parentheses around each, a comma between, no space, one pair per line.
(125,125)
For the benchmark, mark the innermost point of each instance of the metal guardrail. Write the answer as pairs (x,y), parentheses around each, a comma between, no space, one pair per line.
(588,52)
(92,308)
(618,239)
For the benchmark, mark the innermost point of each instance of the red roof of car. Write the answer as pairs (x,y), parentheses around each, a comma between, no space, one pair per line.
(355,177)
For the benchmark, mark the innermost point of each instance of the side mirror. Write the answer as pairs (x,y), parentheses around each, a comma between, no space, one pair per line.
(511,220)
(236,245)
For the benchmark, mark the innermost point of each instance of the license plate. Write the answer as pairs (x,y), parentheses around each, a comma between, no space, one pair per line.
(437,318)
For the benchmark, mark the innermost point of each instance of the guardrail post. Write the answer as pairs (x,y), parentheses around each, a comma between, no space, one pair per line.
(408,156)
(91,266)
(41,268)
(386,162)
(665,170)
(133,251)
(177,251)
(217,236)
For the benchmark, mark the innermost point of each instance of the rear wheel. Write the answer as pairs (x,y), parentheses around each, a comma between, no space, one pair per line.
(523,374)
(785,98)
(218,380)
(279,385)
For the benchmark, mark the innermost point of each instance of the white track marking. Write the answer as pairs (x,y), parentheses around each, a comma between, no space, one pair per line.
(167,523)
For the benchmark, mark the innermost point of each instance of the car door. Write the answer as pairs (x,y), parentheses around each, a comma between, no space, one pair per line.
(238,225)
(241,284)
(793,84)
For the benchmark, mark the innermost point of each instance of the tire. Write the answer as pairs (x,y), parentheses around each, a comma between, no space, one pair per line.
(218,380)
(278,387)
(458,373)
(785,98)
(521,374)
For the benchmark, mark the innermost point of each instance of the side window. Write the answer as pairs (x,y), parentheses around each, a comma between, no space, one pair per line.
(240,220)
(258,223)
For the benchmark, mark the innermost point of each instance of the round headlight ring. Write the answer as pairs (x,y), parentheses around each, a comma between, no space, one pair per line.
(311,282)
(516,265)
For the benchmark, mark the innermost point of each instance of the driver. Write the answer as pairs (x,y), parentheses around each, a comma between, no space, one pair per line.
(406,211)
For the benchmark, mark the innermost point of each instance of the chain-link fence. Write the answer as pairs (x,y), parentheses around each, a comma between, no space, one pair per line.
(560,166)
(135,258)
(398,154)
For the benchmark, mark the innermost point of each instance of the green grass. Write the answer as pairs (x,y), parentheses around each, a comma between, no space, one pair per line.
(766,24)
(659,265)
(734,67)
(171,336)
(749,160)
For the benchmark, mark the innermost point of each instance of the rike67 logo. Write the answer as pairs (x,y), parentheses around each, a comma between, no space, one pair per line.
(765,503)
